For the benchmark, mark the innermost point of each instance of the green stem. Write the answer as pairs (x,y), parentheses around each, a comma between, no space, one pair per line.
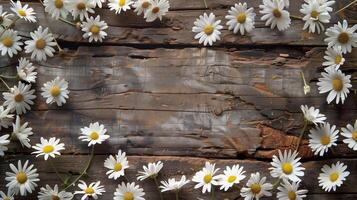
(276,184)
(204,1)
(295,17)
(301,135)
(158,188)
(212,194)
(68,22)
(56,171)
(3,81)
(177,195)
(348,5)
(8,77)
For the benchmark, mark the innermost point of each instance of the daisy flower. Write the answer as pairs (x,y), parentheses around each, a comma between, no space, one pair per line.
(350,133)
(334,58)
(55,91)
(94,29)
(289,191)
(57,8)
(92,190)
(81,8)
(157,9)
(206,177)
(287,166)
(41,44)
(94,134)
(275,15)
(256,187)
(150,171)
(8,196)
(207,29)
(22,179)
(26,71)
(53,194)
(312,115)
(336,83)
(128,191)
(22,132)
(322,138)
(5,117)
(141,6)
(4,141)
(5,18)
(116,165)
(333,177)
(24,12)
(120,5)
(10,43)
(19,98)
(48,148)
(230,177)
(98,3)
(241,18)
(316,16)
(173,185)
(341,35)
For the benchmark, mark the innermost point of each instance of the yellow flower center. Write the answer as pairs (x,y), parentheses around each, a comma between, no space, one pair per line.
(95,29)
(121,2)
(128,196)
(155,10)
(354,135)
(334,176)
(291,195)
(58,4)
(337,84)
(81,6)
(231,179)
(55,91)
(18,98)
(89,190)
(94,135)
(145,4)
(48,149)
(255,188)
(8,42)
(55,197)
(21,177)
(22,12)
(287,168)
(207,178)
(6,198)
(208,29)
(338,59)
(40,44)
(325,140)
(241,18)
(343,38)
(276,13)
(314,14)
(117,167)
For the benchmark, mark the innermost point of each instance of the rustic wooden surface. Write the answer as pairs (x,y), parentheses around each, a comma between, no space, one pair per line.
(164,97)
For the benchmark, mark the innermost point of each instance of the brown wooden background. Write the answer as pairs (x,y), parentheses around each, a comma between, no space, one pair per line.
(162,96)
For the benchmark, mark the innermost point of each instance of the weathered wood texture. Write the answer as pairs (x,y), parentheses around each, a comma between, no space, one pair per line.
(163,97)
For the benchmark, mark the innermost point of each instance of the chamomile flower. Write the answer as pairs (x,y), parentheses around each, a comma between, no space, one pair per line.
(4,141)
(93,190)
(157,9)
(290,191)
(241,18)
(5,18)
(150,171)
(55,91)
(206,178)
(207,29)
(287,166)
(98,3)
(274,14)
(128,191)
(334,58)
(336,83)
(22,178)
(116,165)
(19,98)
(230,177)
(120,5)
(48,193)
(316,16)
(26,71)
(24,12)
(41,45)
(322,138)
(8,196)
(342,35)
(5,117)
(10,43)
(81,8)
(94,134)
(48,148)
(333,176)
(22,132)
(94,29)
(172,185)
(57,8)
(141,6)
(312,115)
(256,187)
(350,133)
